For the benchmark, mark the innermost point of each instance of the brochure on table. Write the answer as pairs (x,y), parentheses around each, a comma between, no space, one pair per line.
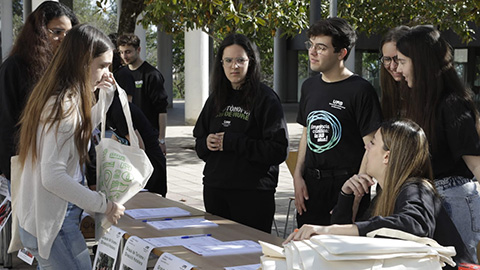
(245,267)
(226,248)
(165,212)
(135,254)
(170,262)
(107,250)
(182,240)
(181,223)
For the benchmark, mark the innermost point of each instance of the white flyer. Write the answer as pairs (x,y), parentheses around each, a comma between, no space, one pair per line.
(226,248)
(107,250)
(196,239)
(135,254)
(5,211)
(170,262)
(245,267)
(4,186)
(182,223)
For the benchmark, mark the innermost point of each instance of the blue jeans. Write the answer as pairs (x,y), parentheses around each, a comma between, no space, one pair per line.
(69,250)
(462,203)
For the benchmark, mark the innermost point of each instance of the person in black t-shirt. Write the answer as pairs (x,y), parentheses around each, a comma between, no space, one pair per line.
(443,107)
(340,112)
(149,94)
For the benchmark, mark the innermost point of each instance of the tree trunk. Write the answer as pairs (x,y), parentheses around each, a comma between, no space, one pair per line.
(128,15)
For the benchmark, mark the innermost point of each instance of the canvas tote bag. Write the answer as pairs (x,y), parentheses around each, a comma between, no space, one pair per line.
(341,252)
(122,170)
(16,170)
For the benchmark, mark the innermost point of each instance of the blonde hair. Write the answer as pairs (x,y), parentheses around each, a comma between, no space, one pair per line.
(409,160)
(67,77)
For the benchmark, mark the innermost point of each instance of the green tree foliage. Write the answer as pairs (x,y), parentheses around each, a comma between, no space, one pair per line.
(225,16)
(377,16)
(260,19)
(104,19)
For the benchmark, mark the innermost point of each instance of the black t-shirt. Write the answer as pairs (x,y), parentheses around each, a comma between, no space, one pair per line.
(150,95)
(456,136)
(337,116)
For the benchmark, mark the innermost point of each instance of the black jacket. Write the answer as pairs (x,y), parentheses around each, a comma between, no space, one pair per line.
(255,142)
(418,210)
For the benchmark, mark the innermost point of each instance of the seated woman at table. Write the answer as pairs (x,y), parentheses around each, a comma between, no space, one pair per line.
(398,158)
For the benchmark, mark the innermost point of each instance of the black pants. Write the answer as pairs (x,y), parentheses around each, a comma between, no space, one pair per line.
(323,195)
(254,208)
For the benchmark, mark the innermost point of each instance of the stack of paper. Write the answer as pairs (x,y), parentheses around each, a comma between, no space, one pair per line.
(182,240)
(181,223)
(146,213)
(226,248)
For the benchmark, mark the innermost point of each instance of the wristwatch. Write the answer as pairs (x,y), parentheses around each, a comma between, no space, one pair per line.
(161,141)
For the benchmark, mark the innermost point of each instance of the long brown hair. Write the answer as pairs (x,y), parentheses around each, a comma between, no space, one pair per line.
(32,44)
(392,91)
(435,78)
(67,77)
(409,160)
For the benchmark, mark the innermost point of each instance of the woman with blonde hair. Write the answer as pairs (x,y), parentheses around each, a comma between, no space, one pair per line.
(55,131)
(398,158)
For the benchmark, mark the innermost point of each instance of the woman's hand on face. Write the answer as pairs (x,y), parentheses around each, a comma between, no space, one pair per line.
(358,184)
(215,141)
(106,83)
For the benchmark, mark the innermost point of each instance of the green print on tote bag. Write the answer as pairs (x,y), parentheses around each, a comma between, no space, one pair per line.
(122,170)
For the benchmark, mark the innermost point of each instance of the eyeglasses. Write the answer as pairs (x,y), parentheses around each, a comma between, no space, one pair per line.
(387,60)
(57,33)
(238,61)
(319,48)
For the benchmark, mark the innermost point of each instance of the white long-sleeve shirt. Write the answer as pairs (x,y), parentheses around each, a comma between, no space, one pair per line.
(49,184)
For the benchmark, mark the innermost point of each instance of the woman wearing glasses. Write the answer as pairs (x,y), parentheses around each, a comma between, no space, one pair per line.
(443,107)
(393,89)
(33,50)
(241,134)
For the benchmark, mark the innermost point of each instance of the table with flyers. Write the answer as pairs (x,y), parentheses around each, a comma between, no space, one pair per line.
(226,230)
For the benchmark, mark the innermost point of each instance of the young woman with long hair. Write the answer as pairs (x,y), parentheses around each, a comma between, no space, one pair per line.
(391,84)
(55,131)
(398,158)
(443,107)
(42,33)
(241,134)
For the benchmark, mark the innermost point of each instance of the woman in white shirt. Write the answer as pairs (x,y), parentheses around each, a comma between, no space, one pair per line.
(55,131)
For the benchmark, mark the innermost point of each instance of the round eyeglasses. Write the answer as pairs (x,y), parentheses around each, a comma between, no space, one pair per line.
(57,33)
(238,61)
(318,48)
(387,60)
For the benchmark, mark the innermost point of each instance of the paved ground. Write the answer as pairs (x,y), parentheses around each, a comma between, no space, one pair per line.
(184,169)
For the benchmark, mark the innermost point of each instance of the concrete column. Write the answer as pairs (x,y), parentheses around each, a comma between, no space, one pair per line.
(196,74)
(34,4)
(142,35)
(350,63)
(6,27)
(280,77)
(165,62)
